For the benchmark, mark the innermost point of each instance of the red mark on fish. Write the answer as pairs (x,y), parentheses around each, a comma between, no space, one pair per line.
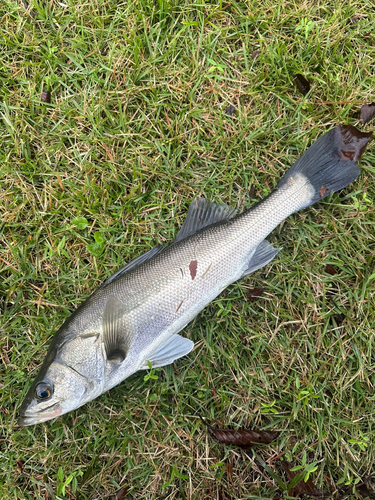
(323,191)
(193,268)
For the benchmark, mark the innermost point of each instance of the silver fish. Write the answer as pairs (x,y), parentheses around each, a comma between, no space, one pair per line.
(134,317)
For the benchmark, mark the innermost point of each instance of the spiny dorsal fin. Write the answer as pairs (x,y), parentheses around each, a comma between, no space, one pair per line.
(203,213)
(117,337)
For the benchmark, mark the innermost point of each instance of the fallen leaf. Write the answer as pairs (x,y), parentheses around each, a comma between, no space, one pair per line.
(46,96)
(339,319)
(367,112)
(330,270)
(120,495)
(302,487)
(254,294)
(302,83)
(252,191)
(241,437)
(363,490)
(255,54)
(351,142)
(230,110)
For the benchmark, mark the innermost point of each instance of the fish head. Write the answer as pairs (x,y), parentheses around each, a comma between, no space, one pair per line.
(71,375)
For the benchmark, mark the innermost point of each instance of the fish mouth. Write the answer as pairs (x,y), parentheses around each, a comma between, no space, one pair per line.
(33,419)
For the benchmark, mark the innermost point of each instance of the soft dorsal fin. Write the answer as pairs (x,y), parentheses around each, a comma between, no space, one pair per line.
(202,213)
(117,337)
(133,264)
(264,253)
(173,348)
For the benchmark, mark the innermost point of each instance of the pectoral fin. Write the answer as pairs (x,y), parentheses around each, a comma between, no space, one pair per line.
(175,347)
(117,336)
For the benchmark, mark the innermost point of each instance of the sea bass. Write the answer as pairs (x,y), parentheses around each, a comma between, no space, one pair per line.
(134,318)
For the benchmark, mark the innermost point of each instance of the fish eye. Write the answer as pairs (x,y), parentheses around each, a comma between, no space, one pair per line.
(43,391)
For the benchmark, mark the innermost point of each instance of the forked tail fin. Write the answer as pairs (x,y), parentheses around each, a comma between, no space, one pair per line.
(330,163)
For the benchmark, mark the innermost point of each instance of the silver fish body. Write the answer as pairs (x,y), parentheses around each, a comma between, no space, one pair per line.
(134,318)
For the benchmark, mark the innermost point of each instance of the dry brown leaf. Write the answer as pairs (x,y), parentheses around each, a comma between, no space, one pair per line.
(367,112)
(302,83)
(242,437)
(230,110)
(352,142)
(329,269)
(46,96)
(254,294)
(303,487)
(120,495)
(252,191)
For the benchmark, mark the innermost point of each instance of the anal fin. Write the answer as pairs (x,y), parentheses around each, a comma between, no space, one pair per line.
(264,253)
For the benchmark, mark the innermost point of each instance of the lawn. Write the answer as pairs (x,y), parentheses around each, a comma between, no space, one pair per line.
(153,103)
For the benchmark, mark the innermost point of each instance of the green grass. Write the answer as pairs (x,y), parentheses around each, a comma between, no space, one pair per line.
(135,130)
